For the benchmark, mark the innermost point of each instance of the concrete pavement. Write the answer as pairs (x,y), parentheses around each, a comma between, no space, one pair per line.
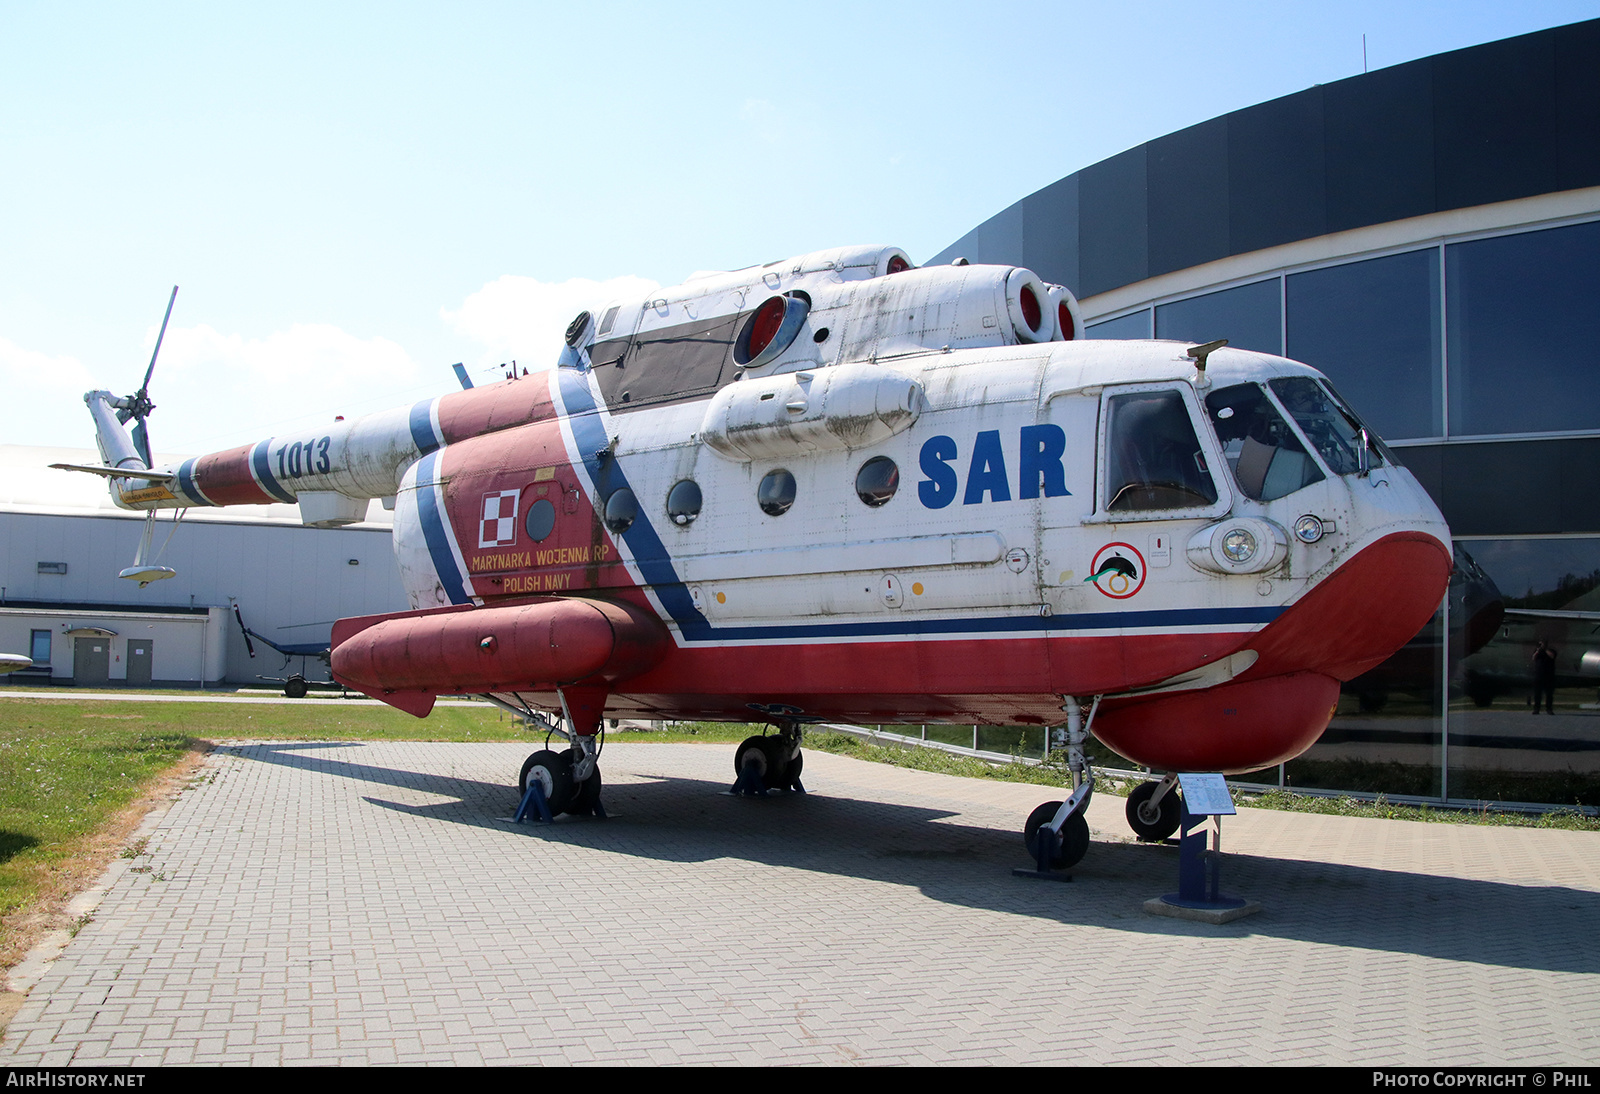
(365,903)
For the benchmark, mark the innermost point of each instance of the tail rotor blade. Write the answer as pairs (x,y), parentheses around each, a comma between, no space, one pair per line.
(141,442)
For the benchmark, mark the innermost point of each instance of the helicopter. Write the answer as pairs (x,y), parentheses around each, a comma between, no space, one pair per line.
(844,487)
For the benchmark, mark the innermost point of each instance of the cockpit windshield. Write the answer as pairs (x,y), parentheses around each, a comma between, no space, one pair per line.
(1266,457)
(1346,446)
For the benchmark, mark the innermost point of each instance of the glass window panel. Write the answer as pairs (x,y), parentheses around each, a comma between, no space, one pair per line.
(1266,458)
(1523,356)
(1249,317)
(39,647)
(1017,741)
(948,735)
(1136,325)
(1153,458)
(1373,328)
(1518,593)
(1387,731)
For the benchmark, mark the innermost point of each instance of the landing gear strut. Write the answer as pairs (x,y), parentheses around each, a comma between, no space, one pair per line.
(1057,833)
(552,783)
(770,762)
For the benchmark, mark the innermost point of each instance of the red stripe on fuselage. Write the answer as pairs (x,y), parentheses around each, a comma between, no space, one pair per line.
(224,477)
(464,415)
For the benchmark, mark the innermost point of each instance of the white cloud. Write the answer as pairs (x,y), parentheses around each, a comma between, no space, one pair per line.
(518,318)
(43,397)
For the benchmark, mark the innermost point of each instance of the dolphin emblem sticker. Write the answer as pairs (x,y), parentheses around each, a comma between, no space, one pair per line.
(1117,570)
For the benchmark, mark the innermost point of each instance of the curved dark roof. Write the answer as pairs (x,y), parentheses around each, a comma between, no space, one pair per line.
(1508,119)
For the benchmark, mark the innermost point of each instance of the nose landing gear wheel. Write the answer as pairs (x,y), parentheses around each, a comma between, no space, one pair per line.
(1074,835)
(770,758)
(554,772)
(1153,822)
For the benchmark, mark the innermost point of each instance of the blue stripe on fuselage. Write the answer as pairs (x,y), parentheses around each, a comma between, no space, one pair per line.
(422,432)
(434,534)
(649,553)
(263,469)
(186,482)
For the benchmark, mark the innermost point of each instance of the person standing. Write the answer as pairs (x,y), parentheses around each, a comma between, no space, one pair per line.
(1544,677)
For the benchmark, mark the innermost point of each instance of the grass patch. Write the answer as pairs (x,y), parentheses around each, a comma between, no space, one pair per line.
(69,768)
(938,760)
(1566,819)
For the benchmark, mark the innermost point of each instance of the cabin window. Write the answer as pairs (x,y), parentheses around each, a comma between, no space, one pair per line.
(1344,444)
(1153,456)
(683,502)
(1266,457)
(541,519)
(776,493)
(622,508)
(877,481)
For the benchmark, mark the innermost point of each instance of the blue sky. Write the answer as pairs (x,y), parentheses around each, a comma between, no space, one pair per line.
(354,196)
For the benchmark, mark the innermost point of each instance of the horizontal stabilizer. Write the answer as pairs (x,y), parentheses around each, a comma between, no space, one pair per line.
(118,472)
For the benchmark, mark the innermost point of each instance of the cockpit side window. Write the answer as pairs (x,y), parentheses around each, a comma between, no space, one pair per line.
(1344,444)
(1153,456)
(1267,459)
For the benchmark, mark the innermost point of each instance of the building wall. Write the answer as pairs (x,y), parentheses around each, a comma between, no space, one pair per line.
(1429,237)
(1477,126)
(290,582)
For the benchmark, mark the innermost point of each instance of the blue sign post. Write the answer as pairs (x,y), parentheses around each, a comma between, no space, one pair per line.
(1199,894)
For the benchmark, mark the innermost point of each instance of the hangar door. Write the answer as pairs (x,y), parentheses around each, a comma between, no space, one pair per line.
(91,661)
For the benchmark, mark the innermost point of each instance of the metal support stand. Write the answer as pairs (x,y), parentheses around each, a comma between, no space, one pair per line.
(598,811)
(749,781)
(535,799)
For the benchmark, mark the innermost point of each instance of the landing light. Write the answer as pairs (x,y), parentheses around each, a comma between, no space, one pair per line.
(1239,545)
(1308,529)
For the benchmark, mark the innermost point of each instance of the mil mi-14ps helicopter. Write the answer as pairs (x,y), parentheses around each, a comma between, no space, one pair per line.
(843,487)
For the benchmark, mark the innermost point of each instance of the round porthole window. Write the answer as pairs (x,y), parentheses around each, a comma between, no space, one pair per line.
(776,493)
(877,481)
(621,510)
(683,502)
(541,519)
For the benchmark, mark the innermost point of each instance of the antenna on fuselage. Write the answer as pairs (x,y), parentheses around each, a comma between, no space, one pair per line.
(1198,355)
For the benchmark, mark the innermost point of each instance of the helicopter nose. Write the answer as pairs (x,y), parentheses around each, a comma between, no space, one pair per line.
(1360,614)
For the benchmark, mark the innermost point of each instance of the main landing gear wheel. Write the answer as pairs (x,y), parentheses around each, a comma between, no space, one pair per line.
(554,772)
(1153,822)
(770,755)
(1074,835)
(295,687)
(585,795)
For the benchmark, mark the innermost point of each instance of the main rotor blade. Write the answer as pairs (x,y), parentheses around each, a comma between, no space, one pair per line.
(144,388)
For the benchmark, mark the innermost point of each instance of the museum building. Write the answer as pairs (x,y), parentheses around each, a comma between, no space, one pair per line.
(1428,236)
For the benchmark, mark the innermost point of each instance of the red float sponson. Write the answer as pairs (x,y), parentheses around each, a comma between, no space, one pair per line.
(408,659)
(1233,728)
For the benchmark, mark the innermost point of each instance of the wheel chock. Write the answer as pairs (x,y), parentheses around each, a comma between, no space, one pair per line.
(749,781)
(1048,843)
(534,799)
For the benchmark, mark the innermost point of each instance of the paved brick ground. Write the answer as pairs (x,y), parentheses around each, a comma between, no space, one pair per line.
(363,903)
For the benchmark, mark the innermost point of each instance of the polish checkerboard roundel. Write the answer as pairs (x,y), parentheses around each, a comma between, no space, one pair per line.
(498,528)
